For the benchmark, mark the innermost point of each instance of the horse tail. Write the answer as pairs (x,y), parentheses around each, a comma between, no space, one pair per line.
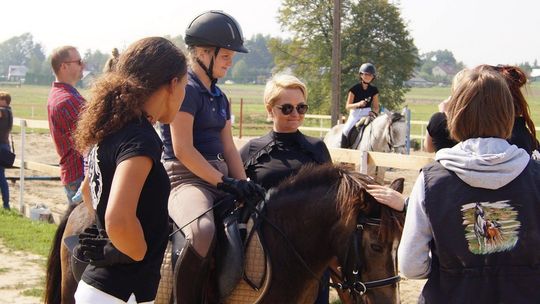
(53,276)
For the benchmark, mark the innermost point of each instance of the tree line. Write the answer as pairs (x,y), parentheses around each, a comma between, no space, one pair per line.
(372,31)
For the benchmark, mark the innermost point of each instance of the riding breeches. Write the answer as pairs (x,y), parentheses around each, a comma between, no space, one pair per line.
(190,197)
(354,116)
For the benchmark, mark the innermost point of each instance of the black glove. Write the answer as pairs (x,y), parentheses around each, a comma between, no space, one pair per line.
(96,246)
(243,189)
(91,232)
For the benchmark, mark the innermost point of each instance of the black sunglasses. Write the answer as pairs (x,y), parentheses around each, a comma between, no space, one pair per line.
(79,62)
(287,108)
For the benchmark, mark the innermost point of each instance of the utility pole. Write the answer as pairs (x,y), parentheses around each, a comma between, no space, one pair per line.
(336,63)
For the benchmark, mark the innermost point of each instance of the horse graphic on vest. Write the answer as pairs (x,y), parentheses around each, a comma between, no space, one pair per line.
(487,231)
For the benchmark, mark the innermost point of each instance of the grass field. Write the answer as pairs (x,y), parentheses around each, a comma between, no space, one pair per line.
(30,102)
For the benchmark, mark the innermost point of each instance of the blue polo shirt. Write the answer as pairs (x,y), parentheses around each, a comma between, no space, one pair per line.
(210,110)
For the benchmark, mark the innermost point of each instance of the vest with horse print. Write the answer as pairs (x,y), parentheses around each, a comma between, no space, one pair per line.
(486,243)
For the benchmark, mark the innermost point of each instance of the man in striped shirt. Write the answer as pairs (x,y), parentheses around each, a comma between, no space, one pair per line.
(63,107)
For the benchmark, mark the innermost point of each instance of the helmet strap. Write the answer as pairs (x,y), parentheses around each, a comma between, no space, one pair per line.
(209,70)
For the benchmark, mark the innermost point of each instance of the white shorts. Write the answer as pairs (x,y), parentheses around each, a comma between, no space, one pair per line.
(354,116)
(87,294)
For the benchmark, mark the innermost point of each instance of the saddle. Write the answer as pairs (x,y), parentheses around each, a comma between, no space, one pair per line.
(356,133)
(241,264)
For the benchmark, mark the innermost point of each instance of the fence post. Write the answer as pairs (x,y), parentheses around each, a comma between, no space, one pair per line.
(364,162)
(241,117)
(21,172)
(408,141)
(320,125)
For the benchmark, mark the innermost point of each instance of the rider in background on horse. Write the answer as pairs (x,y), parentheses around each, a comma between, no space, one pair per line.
(200,156)
(483,170)
(270,159)
(362,101)
(128,185)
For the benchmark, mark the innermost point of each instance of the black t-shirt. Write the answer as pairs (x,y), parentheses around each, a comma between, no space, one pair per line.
(283,157)
(438,130)
(137,138)
(361,94)
(521,136)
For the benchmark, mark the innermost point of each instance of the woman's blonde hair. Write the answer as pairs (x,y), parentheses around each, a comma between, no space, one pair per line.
(481,106)
(279,83)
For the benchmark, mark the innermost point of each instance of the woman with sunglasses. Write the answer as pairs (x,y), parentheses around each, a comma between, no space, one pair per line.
(199,153)
(362,101)
(279,154)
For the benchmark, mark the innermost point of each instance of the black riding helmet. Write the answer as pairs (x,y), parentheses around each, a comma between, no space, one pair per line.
(216,29)
(368,68)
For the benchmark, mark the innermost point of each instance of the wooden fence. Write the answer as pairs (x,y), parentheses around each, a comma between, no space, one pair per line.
(360,159)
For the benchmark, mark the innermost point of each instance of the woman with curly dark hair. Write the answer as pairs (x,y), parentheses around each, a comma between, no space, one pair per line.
(128,185)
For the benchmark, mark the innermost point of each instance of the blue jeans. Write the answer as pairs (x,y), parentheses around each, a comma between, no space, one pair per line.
(3,182)
(71,190)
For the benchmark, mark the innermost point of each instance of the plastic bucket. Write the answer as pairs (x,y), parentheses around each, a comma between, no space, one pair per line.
(40,212)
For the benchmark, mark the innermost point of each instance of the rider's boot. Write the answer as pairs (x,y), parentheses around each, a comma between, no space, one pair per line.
(344,142)
(191,276)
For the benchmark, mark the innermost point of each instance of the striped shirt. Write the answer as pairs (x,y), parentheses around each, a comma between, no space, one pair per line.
(63,107)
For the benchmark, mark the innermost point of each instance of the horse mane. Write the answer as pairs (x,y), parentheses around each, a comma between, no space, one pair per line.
(349,189)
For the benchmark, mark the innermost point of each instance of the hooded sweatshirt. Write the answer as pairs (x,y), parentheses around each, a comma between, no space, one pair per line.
(488,163)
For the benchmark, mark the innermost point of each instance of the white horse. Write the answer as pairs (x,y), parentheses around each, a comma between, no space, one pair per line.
(386,133)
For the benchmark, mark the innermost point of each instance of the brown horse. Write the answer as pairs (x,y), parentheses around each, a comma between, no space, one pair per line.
(310,219)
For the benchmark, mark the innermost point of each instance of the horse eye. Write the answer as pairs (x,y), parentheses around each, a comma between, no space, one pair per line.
(376,247)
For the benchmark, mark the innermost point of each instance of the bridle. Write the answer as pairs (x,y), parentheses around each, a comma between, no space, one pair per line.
(392,146)
(353,263)
(351,281)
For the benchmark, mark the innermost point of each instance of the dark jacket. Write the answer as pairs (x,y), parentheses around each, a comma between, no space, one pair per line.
(495,256)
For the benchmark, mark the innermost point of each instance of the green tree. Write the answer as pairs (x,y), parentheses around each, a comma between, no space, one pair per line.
(239,71)
(257,64)
(178,41)
(372,31)
(444,58)
(21,50)
(95,60)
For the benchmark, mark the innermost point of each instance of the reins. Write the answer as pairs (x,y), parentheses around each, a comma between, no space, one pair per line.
(196,218)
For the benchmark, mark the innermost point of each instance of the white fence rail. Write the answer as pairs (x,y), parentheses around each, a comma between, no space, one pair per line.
(360,159)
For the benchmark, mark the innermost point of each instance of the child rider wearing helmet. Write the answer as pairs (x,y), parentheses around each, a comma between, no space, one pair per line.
(199,153)
(362,100)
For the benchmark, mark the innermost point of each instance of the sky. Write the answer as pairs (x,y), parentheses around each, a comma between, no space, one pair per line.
(476,31)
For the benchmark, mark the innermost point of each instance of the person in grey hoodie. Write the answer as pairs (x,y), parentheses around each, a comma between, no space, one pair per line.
(473,219)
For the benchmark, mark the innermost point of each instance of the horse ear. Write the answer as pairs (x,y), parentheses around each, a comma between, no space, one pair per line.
(398,184)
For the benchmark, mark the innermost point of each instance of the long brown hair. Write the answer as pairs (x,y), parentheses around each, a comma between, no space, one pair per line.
(516,79)
(118,97)
(481,106)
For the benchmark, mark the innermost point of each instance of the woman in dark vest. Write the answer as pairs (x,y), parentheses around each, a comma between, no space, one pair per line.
(270,159)
(473,220)
(127,183)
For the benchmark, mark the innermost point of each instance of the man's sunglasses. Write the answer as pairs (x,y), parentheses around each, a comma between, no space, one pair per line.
(79,62)
(288,108)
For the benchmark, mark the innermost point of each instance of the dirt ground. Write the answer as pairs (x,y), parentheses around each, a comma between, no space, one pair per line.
(20,271)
